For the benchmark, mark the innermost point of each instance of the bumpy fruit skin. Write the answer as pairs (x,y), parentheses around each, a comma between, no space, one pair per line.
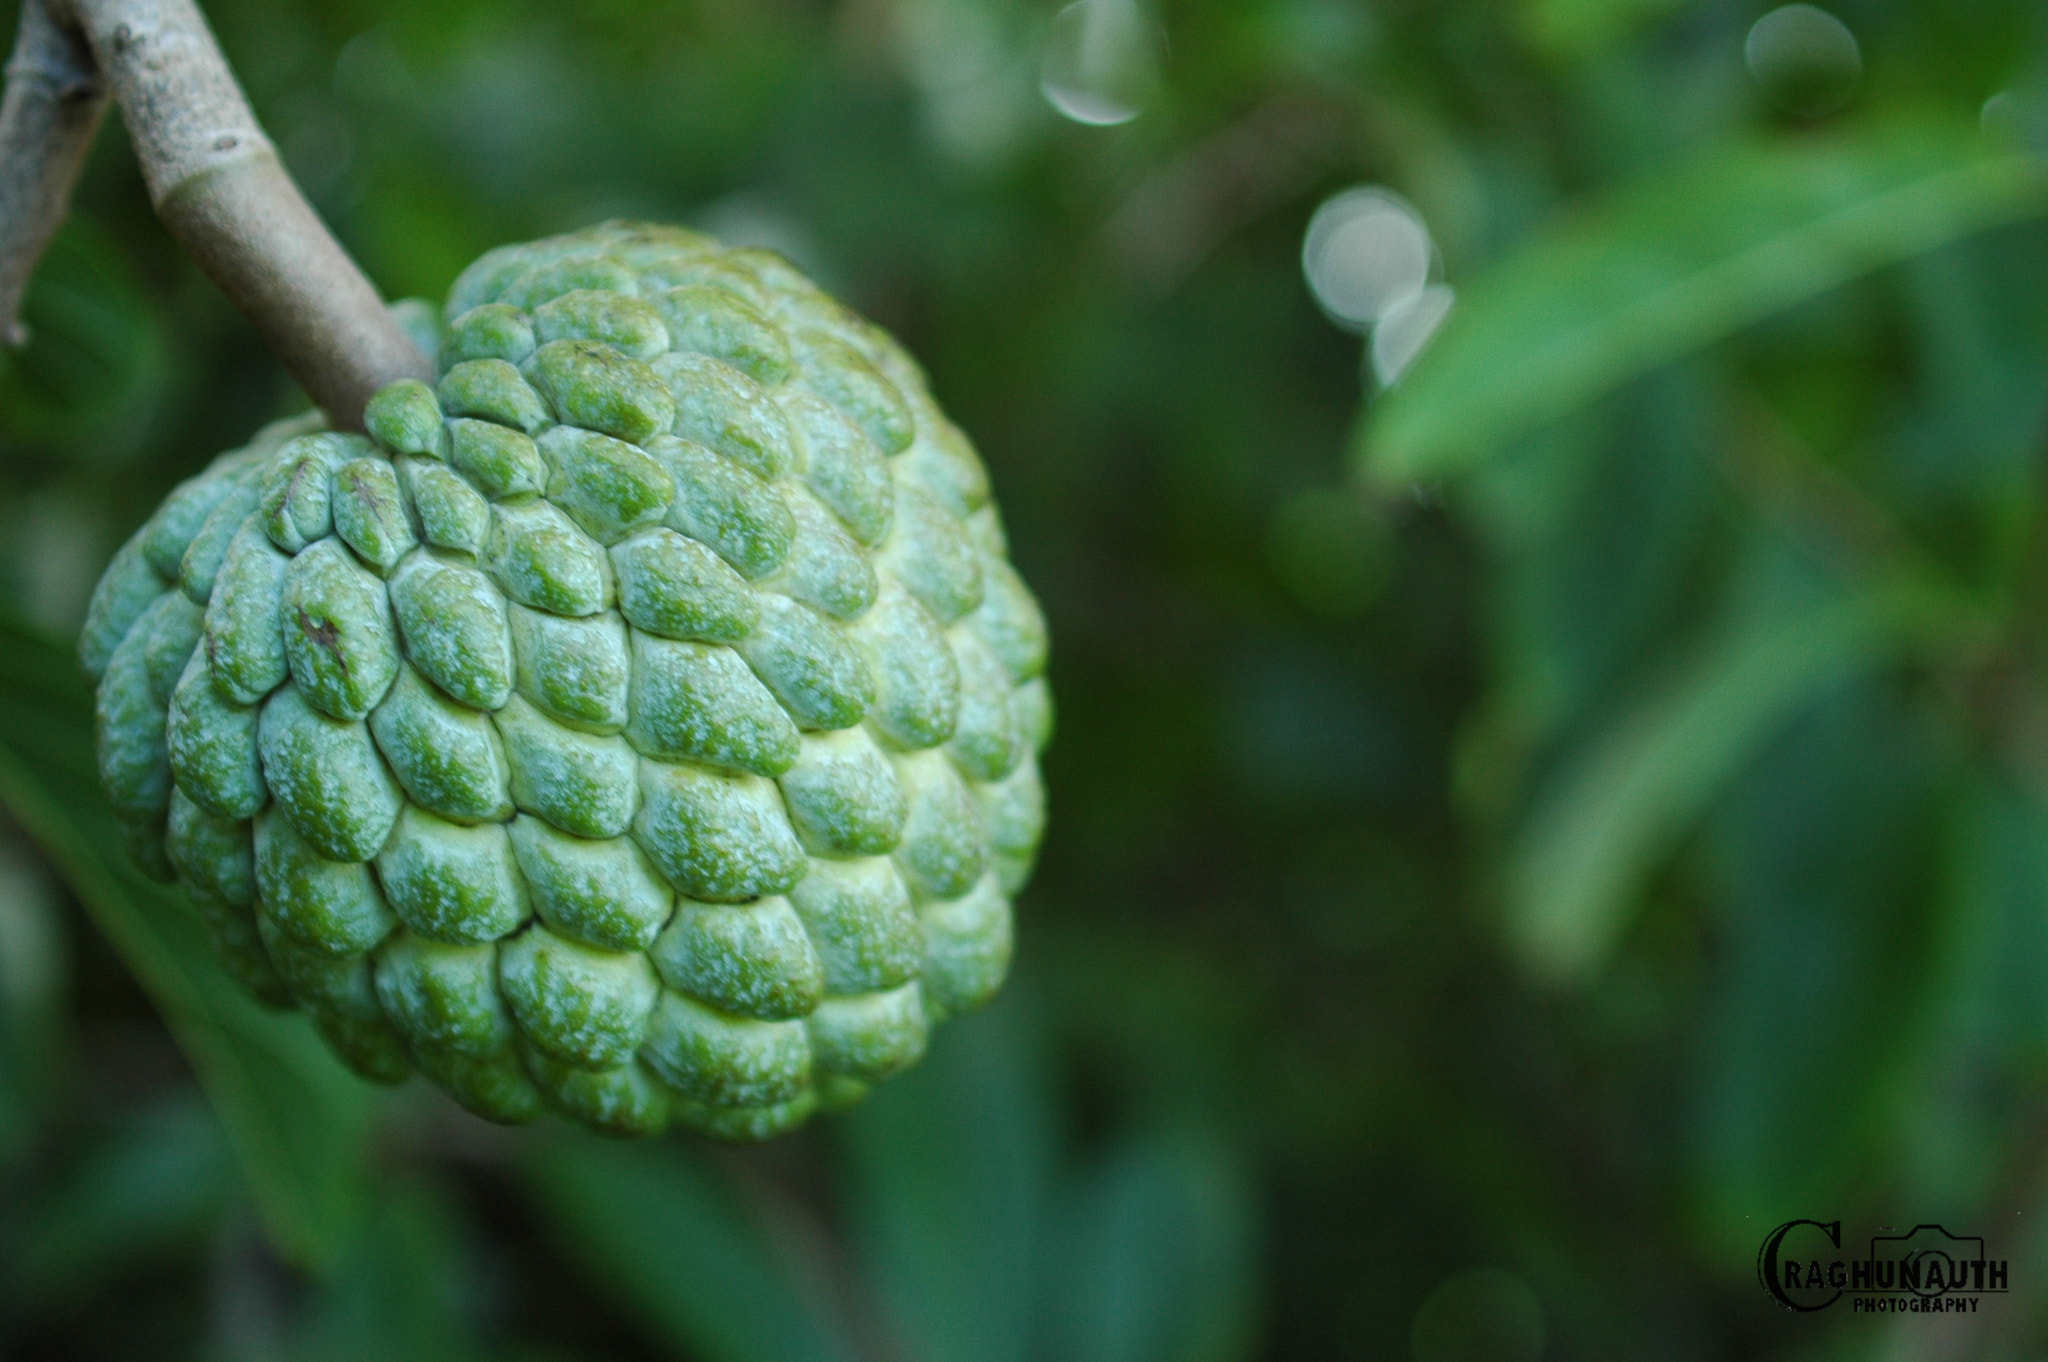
(639,724)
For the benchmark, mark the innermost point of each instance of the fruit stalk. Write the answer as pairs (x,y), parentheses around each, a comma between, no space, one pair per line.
(55,100)
(217,183)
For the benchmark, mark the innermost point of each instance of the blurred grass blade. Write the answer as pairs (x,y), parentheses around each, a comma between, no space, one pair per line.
(1158,1261)
(296,1118)
(950,1169)
(657,1229)
(1613,810)
(1676,264)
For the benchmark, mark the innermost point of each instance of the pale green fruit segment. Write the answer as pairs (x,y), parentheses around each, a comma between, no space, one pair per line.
(719,323)
(170,628)
(1010,622)
(843,466)
(714,836)
(369,513)
(443,998)
(297,500)
(596,387)
(454,628)
(944,464)
(990,736)
(731,508)
(932,556)
(498,461)
(216,855)
(745,1123)
(124,592)
(640,725)
(699,701)
(945,847)
(627,1100)
(870,1035)
(583,783)
(825,568)
(242,953)
(676,588)
(723,410)
(492,390)
(818,675)
(750,959)
(495,1087)
(607,486)
(405,418)
(452,883)
(327,777)
(327,905)
(917,680)
(170,532)
(579,1005)
(536,286)
(539,558)
(338,637)
(1013,812)
(625,324)
(367,1045)
(722,1060)
(843,797)
(135,763)
(447,756)
(200,566)
(967,945)
(212,745)
(602,891)
(859,916)
(576,670)
(844,377)
(452,514)
(1033,704)
(492,331)
(244,637)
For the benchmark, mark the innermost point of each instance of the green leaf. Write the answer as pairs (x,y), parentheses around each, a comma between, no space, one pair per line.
(97,362)
(661,1232)
(1617,807)
(157,1183)
(950,1171)
(1158,1261)
(1678,263)
(297,1119)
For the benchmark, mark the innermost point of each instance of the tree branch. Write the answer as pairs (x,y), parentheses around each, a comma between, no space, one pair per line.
(54,104)
(218,185)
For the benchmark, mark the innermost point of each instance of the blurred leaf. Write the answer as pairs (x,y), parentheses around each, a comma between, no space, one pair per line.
(296,1118)
(399,1291)
(949,1172)
(150,1185)
(1615,808)
(1676,264)
(96,361)
(657,1229)
(1158,1261)
(1583,28)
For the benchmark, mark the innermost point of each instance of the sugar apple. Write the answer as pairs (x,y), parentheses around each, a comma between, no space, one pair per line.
(640,723)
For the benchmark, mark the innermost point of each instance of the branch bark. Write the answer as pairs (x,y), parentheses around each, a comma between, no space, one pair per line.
(55,100)
(220,188)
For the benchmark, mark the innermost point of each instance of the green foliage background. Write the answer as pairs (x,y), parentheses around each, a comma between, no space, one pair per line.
(1516,836)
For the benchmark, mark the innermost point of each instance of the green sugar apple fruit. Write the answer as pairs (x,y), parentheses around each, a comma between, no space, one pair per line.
(641,723)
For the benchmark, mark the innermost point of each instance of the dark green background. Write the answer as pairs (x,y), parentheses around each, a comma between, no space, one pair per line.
(1514,838)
